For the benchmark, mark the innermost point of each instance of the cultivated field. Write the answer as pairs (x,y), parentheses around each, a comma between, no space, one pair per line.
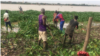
(24,41)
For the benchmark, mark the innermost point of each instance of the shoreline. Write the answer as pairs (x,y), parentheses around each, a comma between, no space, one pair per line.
(15,7)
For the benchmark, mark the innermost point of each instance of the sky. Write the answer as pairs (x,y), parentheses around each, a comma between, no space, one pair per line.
(90,2)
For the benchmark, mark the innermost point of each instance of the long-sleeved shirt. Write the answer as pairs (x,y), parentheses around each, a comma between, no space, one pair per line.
(5,16)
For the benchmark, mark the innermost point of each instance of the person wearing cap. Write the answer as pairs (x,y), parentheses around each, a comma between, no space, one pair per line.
(6,20)
(70,29)
(42,29)
(60,17)
(55,20)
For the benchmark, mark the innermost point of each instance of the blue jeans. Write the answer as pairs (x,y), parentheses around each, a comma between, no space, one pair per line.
(8,23)
(61,25)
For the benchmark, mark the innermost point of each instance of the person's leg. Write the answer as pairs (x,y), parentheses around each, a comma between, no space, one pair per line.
(64,39)
(6,23)
(45,44)
(55,24)
(70,39)
(10,25)
(61,25)
(39,41)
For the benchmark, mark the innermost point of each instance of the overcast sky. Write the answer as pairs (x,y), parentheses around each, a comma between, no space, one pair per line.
(92,2)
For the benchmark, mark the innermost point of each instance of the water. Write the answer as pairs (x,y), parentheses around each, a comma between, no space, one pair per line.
(15,29)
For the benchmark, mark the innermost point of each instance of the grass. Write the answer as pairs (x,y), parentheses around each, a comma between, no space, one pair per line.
(25,41)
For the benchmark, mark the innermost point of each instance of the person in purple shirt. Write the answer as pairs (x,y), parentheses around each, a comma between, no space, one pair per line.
(60,17)
(42,29)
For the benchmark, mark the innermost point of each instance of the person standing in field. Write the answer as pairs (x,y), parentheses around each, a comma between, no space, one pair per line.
(55,20)
(6,20)
(70,29)
(21,10)
(42,29)
(60,17)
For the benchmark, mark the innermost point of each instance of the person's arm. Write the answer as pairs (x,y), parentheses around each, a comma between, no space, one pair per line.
(56,17)
(44,21)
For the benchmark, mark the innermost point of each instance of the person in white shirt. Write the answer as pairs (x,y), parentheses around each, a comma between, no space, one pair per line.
(6,19)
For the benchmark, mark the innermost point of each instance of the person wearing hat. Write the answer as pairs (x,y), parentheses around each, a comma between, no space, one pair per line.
(70,29)
(6,20)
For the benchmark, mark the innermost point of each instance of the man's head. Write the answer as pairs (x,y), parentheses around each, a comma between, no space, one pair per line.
(6,11)
(43,11)
(57,12)
(75,17)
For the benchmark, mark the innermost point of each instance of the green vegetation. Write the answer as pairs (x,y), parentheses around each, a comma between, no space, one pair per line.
(25,42)
(33,15)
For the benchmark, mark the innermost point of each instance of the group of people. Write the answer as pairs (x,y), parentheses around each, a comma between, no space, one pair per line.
(73,24)
(42,27)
